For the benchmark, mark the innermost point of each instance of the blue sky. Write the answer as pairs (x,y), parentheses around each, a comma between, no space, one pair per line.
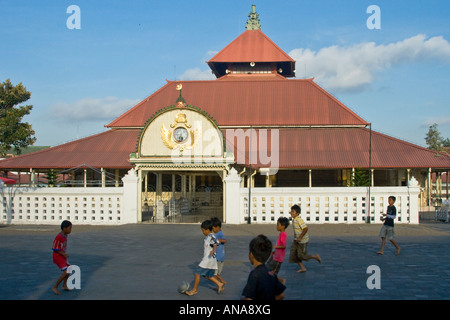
(396,77)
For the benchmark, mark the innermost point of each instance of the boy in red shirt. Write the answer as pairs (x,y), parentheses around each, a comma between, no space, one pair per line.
(60,256)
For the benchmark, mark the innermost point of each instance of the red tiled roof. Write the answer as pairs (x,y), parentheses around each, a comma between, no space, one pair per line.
(316,131)
(299,148)
(321,148)
(251,45)
(249,101)
(109,150)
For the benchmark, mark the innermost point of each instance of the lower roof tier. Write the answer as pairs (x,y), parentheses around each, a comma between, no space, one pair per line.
(297,148)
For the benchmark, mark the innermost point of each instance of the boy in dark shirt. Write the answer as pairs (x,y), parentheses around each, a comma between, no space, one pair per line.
(387,230)
(261,283)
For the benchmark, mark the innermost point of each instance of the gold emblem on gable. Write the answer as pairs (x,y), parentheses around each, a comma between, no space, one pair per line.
(181,135)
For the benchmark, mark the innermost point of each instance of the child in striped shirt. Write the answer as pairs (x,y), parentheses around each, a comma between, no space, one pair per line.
(299,249)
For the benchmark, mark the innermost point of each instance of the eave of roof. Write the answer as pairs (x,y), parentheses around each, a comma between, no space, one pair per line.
(298,148)
(334,148)
(109,150)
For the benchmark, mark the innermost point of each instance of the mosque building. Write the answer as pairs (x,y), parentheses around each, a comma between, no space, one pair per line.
(256,117)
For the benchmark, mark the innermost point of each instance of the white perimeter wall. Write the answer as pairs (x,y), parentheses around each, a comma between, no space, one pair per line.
(328,205)
(116,206)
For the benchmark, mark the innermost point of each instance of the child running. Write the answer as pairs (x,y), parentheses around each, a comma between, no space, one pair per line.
(220,252)
(299,249)
(208,266)
(60,256)
(277,256)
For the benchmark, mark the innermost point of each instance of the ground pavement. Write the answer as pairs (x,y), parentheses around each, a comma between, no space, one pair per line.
(148,262)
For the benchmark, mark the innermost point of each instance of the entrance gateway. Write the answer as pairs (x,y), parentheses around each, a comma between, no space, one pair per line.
(181,164)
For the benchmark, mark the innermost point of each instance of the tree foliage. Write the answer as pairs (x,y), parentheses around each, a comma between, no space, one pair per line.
(446,142)
(433,138)
(360,178)
(14,134)
(51,177)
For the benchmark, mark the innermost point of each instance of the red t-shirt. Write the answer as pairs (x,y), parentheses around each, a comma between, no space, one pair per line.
(59,244)
(280,253)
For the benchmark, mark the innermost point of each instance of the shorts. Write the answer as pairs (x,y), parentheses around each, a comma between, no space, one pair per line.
(61,263)
(273,265)
(299,252)
(387,232)
(219,268)
(209,273)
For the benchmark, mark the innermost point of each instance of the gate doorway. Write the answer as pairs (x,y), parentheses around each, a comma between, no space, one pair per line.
(181,197)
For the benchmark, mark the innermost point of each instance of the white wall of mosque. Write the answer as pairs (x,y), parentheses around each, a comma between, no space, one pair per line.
(117,206)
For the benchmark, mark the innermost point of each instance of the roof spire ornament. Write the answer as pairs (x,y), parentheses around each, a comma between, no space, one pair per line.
(253,21)
(180,101)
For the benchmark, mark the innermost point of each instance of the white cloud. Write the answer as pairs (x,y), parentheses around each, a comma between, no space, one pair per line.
(197,74)
(91,109)
(210,54)
(353,68)
(438,120)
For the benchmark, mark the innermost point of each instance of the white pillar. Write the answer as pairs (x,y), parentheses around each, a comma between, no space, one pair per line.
(116,172)
(414,191)
(130,197)
(233,210)
(353,176)
(145,181)
(103,178)
(430,189)
(183,186)
(310,178)
(159,205)
(31,178)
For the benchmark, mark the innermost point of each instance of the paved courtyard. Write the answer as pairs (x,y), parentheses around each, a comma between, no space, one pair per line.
(148,262)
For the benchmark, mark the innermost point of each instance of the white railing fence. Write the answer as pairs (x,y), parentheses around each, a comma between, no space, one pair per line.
(83,206)
(116,206)
(319,205)
(53,205)
(328,205)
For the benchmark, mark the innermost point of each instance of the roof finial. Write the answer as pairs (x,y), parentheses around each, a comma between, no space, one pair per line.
(180,101)
(253,21)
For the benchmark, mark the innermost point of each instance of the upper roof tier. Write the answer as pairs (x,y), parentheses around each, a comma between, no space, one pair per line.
(252,52)
(252,89)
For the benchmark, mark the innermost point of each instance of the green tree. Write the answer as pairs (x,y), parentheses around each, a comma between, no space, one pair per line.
(51,178)
(446,142)
(14,134)
(360,178)
(433,138)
